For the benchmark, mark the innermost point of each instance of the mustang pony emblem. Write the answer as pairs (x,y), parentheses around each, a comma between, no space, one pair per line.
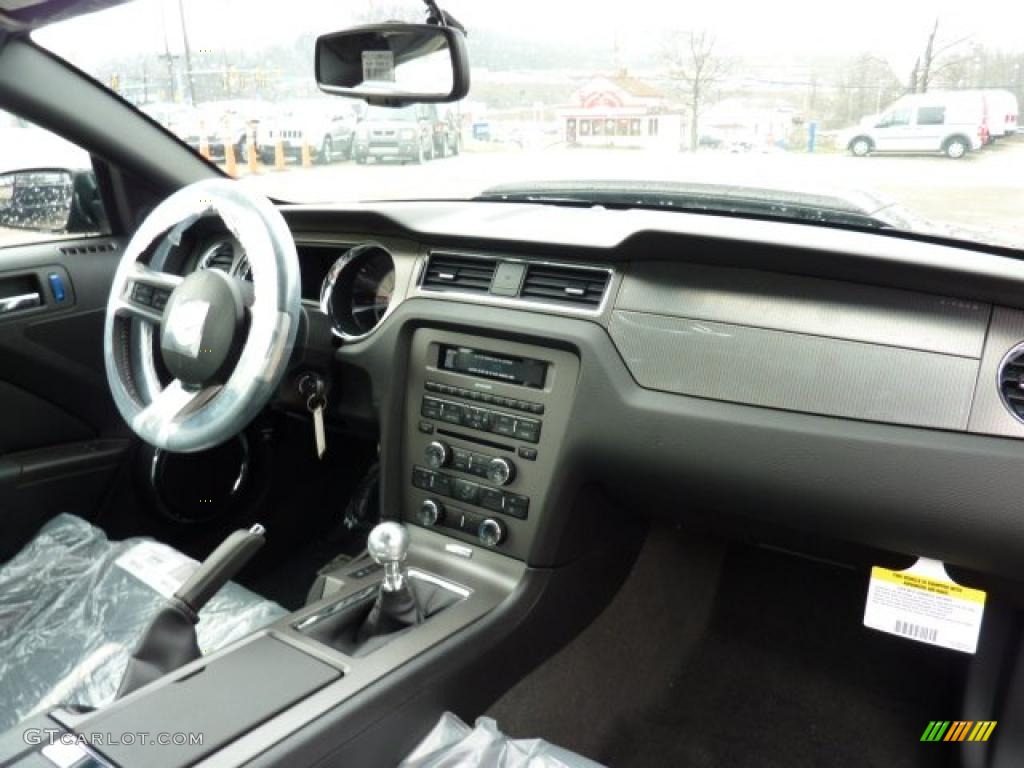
(183,330)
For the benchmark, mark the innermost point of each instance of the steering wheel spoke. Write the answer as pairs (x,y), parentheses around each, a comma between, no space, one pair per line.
(167,405)
(146,292)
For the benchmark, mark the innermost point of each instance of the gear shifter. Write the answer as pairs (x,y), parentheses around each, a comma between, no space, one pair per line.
(397,606)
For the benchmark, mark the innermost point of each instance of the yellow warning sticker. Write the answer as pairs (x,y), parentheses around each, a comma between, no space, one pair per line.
(923,603)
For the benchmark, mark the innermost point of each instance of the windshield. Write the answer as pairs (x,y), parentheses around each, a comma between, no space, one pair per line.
(888,116)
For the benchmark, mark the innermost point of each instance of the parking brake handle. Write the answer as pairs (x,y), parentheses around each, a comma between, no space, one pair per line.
(170,640)
(220,567)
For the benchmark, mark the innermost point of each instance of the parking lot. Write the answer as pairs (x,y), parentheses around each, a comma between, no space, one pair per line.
(982,193)
(981,196)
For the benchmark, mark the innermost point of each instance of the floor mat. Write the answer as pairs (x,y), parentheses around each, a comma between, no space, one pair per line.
(781,673)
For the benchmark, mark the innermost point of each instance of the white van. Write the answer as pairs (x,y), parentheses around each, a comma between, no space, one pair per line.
(950,122)
(1002,110)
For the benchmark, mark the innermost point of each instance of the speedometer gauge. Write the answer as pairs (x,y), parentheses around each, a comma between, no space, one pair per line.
(357,291)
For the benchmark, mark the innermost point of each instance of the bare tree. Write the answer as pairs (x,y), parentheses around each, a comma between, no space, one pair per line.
(692,60)
(931,63)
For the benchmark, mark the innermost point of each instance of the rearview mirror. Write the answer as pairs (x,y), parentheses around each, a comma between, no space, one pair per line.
(394,64)
(51,200)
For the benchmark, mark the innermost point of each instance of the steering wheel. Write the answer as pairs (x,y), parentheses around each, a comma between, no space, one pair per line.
(226,343)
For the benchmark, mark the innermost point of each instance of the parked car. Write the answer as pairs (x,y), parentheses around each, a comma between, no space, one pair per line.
(405,134)
(447,123)
(326,125)
(950,122)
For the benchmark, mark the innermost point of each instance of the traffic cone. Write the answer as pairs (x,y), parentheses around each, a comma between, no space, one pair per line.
(279,161)
(251,143)
(307,159)
(230,166)
(204,142)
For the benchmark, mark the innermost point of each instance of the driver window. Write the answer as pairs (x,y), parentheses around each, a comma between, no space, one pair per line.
(47,187)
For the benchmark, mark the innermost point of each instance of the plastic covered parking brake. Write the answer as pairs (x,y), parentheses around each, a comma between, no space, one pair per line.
(169,641)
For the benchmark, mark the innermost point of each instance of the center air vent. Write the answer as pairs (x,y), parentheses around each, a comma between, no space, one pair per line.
(1011,381)
(565,285)
(446,271)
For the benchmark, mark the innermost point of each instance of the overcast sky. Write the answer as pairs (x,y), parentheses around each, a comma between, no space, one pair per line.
(893,29)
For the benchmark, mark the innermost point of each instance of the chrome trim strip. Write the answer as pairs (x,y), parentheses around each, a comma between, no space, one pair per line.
(437,581)
(514,302)
(350,256)
(22,301)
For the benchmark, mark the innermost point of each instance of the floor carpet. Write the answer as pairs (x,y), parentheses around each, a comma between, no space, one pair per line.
(738,657)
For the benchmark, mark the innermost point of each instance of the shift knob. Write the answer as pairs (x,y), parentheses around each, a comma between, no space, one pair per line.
(388,545)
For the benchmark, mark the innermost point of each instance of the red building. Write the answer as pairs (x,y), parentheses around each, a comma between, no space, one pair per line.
(620,111)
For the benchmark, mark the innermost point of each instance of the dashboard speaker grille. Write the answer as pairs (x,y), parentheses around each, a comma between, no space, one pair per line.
(1011,381)
(447,271)
(565,285)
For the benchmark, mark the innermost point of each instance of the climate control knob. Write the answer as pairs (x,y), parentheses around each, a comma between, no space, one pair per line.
(430,513)
(437,454)
(501,471)
(491,532)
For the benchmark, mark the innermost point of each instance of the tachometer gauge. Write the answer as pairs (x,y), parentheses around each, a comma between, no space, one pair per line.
(357,291)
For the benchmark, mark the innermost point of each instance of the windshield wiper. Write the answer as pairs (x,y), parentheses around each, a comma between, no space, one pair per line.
(855,211)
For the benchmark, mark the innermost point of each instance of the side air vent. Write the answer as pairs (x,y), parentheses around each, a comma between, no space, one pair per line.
(451,272)
(575,286)
(1011,381)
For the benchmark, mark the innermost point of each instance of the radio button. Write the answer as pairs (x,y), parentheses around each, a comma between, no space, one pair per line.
(536,408)
(530,454)
(421,478)
(441,484)
(528,430)
(431,408)
(461,460)
(432,386)
(452,413)
(477,418)
(516,505)
(465,491)
(492,500)
(503,425)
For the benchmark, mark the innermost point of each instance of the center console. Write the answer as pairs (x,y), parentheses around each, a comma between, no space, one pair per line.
(484,422)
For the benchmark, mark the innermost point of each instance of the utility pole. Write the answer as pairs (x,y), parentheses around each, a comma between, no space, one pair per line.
(188,53)
(169,61)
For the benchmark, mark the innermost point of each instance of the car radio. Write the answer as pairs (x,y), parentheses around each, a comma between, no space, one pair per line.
(484,421)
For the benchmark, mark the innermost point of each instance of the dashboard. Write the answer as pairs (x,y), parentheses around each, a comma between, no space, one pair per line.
(763,376)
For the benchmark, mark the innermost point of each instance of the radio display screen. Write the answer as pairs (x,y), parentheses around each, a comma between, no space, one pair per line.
(487,365)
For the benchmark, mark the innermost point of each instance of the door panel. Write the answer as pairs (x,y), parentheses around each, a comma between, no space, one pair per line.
(61,437)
